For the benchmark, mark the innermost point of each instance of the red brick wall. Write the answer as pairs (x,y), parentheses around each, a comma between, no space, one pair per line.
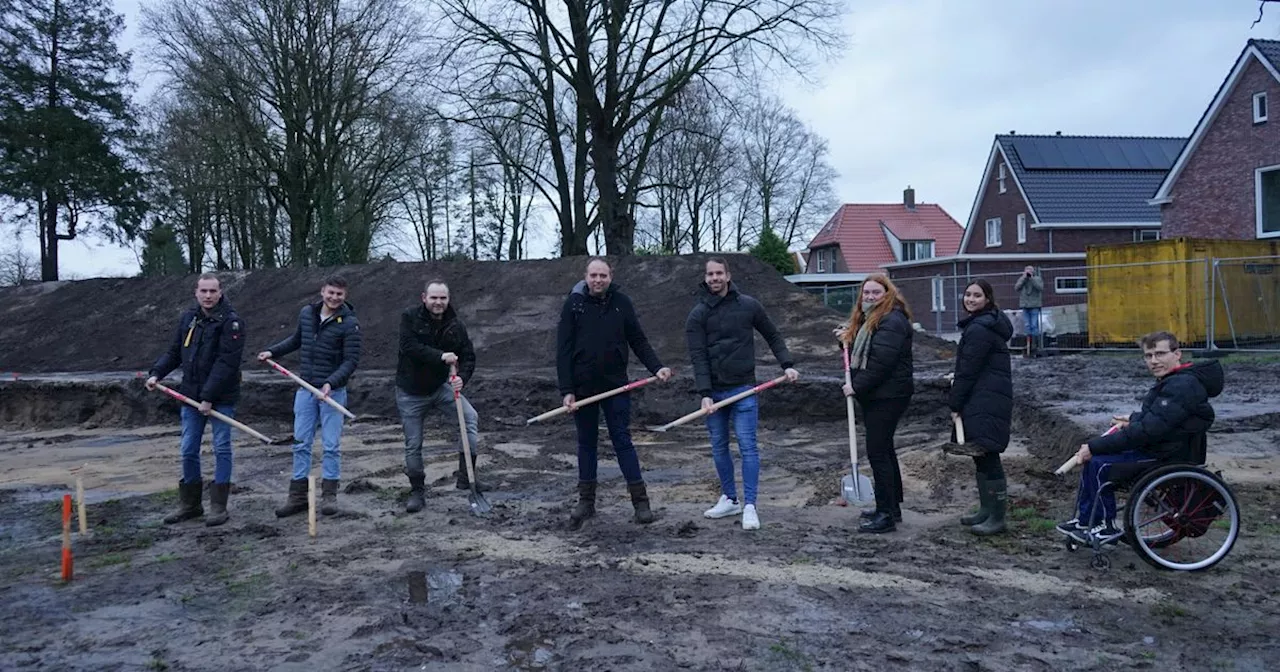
(1214,195)
(916,285)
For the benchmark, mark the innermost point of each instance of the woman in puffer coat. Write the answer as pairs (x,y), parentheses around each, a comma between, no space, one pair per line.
(982,397)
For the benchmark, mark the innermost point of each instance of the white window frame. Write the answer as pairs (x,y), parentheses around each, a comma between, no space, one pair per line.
(1002,177)
(1257,199)
(939,294)
(1143,233)
(915,244)
(999,226)
(1059,289)
(1022,228)
(822,260)
(1260,112)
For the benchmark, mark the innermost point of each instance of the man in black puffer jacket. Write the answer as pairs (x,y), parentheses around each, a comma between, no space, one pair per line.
(329,336)
(433,341)
(1171,427)
(598,324)
(207,345)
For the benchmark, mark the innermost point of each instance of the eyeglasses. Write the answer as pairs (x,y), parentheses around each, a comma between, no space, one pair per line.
(1158,353)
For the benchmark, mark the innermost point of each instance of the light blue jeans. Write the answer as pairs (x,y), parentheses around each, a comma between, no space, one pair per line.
(744,414)
(307,411)
(193,423)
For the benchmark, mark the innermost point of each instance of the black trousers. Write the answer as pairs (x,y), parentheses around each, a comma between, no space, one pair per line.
(881,417)
(990,466)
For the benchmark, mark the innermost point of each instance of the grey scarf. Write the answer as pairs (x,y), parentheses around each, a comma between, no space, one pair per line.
(862,341)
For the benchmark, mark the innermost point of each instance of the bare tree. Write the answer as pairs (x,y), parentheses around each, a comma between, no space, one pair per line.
(18,266)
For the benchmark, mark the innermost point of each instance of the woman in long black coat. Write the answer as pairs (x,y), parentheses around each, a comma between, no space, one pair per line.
(982,397)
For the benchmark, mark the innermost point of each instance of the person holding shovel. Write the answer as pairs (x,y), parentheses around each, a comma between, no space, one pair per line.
(432,342)
(879,336)
(328,334)
(720,332)
(207,345)
(598,324)
(982,398)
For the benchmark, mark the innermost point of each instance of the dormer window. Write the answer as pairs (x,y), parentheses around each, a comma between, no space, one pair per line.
(1260,107)
(913,250)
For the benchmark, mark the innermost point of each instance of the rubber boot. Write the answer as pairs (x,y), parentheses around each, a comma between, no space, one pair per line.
(999,497)
(218,493)
(586,507)
(640,500)
(297,501)
(417,493)
(189,495)
(464,483)
(329,496)
(984,503)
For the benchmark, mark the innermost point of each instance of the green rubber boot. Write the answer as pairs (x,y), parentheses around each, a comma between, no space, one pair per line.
(994,524)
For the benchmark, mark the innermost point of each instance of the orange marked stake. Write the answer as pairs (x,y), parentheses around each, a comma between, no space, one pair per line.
(66,537)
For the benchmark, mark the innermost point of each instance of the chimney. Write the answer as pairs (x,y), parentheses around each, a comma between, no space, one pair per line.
(1058,133)
(909,197)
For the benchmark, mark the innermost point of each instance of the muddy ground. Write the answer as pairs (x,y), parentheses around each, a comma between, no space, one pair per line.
(517,590)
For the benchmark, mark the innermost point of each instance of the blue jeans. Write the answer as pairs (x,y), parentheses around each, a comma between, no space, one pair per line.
(617,417)
(1033,320)
(1096,472)
(744,413)
(413,408)
(307,409)
(193,423)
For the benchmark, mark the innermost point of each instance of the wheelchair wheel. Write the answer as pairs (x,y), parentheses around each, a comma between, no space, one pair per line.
(1182,517)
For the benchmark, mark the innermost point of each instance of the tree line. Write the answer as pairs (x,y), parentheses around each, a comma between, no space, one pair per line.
(323,132)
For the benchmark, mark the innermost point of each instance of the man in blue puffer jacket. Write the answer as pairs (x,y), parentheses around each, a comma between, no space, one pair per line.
(329,336)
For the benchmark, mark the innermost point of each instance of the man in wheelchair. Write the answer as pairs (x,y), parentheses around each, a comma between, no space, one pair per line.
(1170,428)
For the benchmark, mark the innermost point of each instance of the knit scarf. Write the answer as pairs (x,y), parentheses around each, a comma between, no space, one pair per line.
(862,341)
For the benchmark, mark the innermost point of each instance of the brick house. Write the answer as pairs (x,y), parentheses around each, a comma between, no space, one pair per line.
(1042,200)
(862,238)
(1225,183)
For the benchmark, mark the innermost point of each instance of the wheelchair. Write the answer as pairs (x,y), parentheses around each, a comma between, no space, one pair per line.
(1179,516)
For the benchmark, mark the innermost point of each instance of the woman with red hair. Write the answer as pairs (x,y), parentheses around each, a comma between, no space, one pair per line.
(878,334)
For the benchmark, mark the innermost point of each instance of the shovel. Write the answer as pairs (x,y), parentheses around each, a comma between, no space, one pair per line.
(854,487)
(959,447)
(479,505)
(1072,462)
(719,404)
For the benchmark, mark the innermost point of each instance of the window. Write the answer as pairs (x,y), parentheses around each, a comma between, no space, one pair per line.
(917,249)
(822,260)
(1071,285)
(1022,228)
(1002,176)
(1267,196)
(1145,235)
(939,301)
(1259,107)
(993,232)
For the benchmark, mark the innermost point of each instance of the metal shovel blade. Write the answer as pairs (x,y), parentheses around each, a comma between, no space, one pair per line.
(479,505)
(858,490)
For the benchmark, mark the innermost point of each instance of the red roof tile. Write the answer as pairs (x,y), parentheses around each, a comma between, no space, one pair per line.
(856,229)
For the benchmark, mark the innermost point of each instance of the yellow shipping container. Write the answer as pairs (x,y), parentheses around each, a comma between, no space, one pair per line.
(1137,288)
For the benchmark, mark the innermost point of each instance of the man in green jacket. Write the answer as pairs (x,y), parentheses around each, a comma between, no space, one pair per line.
(1030,288)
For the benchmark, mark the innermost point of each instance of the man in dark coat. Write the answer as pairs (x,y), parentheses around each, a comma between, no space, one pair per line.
(598,324)
(206,345)
(433,342)
(1171,427)
(720,332)
(329,336)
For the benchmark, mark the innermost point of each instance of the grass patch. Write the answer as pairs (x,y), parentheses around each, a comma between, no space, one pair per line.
(1031,518)
(802,560)
(166,557)
(249,585)
(792,657)
(1168,610)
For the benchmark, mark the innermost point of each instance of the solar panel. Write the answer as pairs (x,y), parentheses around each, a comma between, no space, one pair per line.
(1087,153)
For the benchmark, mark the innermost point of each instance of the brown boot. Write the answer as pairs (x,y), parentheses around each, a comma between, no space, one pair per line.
(218,494)
(297,501)
(189,506)
(640,500)
(329,496)
(586,507)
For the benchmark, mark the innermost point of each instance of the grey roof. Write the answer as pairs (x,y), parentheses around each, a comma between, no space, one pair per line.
(1083,179)
(1269,49)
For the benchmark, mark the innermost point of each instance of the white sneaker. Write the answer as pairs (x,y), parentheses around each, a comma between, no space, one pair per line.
(750,521)
(723,508)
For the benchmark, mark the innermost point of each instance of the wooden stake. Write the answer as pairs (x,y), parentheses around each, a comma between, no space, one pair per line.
(311,505)
(66,538)
(84,516)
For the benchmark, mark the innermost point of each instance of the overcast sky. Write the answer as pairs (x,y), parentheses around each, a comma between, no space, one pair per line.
(925,84)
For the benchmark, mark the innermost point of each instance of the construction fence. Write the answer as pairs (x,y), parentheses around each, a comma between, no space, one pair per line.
(1210,303)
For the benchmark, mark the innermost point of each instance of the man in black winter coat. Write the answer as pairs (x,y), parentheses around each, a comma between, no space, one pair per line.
(206,345)
(1171,427)
(720,332)
(433,343)
(598,324)
(329,336)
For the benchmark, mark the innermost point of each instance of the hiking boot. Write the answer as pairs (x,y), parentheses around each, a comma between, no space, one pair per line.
(189,506)
(329,496)
(297,501)
(750,521)
(586,507)
(724,508)
(417,493)
(464,483)
(881,523)
(984,504)
(218,493)
(640,500)
(997,500)
(871,513)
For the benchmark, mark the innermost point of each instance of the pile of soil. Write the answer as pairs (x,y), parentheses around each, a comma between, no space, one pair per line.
(510,308)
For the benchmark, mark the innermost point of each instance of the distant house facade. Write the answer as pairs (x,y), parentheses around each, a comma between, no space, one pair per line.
(1225,183)
(1042,200)
(864,238)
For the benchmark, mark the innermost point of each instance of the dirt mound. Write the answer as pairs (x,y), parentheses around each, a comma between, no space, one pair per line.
(510,308)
